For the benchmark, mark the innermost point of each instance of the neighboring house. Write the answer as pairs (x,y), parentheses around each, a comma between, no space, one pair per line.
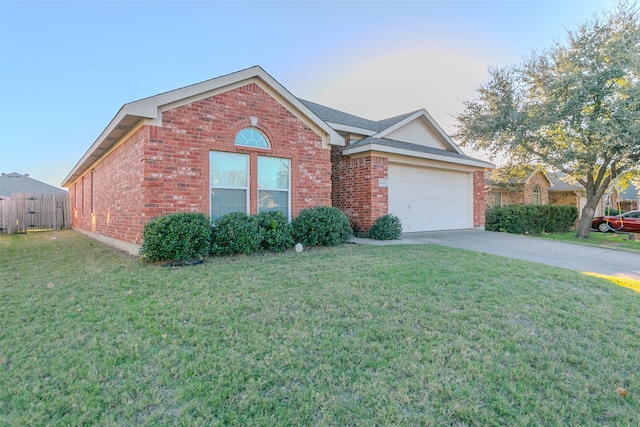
(532,189)
(630,198)
(242,142)
(574,194)
(540,187)
(26,203)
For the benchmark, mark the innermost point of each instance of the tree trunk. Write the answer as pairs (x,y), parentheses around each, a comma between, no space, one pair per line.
(583,231)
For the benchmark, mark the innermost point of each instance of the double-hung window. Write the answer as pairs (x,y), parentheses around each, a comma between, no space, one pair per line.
(274,185)
(229,176)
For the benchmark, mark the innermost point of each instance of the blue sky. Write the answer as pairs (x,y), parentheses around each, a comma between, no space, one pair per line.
(66,67)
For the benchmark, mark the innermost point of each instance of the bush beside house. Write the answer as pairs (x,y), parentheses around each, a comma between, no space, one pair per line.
(531,219)
(179,236)
(187,236)
(386,227)
(321,226)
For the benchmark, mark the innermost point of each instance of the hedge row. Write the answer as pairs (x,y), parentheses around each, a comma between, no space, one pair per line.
(532,219)
(186,236)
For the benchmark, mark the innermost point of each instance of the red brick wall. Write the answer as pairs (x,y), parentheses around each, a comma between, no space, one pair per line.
(177,156)
(478,199)
(356,189)
(160,170)
(117,189)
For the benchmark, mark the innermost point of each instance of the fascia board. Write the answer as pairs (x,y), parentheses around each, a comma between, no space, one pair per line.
(411,153)
(351,129)
(424,114)
(98,143)
(301,111)
(151,108)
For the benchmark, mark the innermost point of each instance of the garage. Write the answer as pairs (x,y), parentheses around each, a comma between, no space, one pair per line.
(427,199)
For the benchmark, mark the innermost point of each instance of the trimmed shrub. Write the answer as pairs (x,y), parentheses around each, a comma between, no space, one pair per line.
(386,227)
(532,219)
(321,226)
(178,236)
(277,233)
(236,233)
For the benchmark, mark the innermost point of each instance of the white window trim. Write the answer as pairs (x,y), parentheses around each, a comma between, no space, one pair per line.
(247,188)
(277,189)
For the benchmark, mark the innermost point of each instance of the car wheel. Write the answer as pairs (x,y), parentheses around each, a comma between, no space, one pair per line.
(604,227)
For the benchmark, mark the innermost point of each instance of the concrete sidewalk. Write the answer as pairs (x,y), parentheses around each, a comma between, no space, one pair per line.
(566,255)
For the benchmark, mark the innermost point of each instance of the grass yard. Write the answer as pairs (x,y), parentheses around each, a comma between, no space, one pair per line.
(605,240)
(355,335)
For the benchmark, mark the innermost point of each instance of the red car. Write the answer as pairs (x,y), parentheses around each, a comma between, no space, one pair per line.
(628,221)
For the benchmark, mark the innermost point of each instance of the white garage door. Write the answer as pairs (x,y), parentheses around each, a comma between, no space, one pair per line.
(430,199)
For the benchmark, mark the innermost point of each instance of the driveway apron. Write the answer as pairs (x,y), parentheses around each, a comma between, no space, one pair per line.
(566,255)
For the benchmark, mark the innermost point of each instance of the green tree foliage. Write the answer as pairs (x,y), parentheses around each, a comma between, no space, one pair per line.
(573,108)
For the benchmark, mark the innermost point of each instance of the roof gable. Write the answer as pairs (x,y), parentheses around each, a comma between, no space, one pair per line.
(417,128)
(436,135)
(417,132)
(149,110)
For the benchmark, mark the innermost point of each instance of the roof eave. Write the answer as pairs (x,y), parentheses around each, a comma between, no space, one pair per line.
(150,108)
(119,126)
(351,129)
(430,156)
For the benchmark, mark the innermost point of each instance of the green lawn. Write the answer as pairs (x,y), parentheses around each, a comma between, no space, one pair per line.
(604,240)
(354,335)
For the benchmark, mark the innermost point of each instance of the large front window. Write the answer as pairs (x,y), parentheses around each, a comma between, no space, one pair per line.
(273,185)
(536,195)
(229,180)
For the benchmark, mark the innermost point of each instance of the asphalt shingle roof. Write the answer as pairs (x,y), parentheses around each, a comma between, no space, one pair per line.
(558,184)
(335,116)
(15,183)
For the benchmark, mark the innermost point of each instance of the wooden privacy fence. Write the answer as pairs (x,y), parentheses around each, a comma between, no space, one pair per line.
(23,212)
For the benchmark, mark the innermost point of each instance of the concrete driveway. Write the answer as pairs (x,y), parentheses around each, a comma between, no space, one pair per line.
(566,255)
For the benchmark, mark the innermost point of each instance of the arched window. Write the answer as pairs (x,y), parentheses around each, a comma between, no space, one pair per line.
(251,137)
(536,195)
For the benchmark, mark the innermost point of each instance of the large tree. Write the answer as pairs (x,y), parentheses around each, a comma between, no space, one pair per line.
(573,108)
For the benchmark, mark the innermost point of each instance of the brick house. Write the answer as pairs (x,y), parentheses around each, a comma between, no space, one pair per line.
(243,142)
(630,198)
(532,189)
(540,187)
